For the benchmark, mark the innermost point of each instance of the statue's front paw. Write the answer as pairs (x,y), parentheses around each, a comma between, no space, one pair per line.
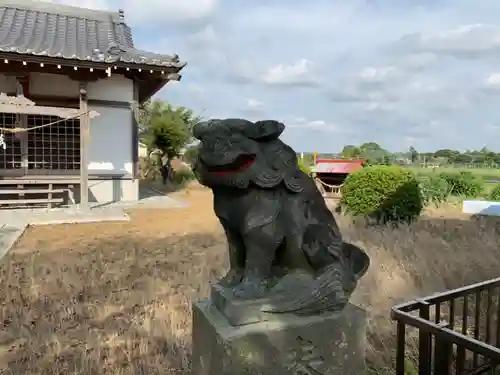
(232,278)
(251,288)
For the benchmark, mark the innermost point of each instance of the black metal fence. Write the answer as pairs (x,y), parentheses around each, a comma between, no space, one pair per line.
(456,332)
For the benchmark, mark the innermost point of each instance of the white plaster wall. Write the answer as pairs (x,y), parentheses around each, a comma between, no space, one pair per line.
(7,84)
(105,191)
(110,149)
(116,87)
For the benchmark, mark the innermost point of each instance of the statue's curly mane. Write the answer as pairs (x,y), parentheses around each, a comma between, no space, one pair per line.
(273,162)
(282,159)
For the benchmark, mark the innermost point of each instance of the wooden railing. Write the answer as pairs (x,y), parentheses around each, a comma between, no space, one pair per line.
(458,332)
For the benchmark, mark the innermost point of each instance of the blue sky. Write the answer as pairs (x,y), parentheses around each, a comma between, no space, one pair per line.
(397,72)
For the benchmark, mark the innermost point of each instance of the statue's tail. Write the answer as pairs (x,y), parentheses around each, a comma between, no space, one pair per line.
(334,283)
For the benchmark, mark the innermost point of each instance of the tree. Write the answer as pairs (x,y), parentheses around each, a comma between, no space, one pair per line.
(165,130)
(370,146)
(463,158)
(350,152)
(447,153)
(413,154)
(372,152)
(386,160)
(191,154)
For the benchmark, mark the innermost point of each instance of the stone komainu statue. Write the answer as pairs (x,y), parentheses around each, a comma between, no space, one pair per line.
(277,223)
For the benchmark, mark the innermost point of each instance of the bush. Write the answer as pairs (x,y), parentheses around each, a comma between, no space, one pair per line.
(191,154)
(182,176)
(495,193)
(148,169)
(434,189)
(385,193)
(464,184)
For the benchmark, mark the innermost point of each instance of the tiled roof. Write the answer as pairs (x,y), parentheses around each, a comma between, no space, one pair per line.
(337,166)
(51,30)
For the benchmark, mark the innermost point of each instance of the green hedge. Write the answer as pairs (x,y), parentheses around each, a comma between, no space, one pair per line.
(385,193)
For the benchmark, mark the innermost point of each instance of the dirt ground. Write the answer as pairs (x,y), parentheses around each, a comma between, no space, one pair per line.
(114,298)
(110,298)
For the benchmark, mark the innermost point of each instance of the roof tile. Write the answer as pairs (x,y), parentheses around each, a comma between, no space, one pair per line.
(52,30)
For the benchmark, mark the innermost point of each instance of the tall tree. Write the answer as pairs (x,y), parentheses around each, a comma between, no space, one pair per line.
(413,154)
(372,152)
(370,146)
(165,130)
(350,151)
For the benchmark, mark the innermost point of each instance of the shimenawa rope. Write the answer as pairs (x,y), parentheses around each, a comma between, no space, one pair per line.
(329,186)
(20,130)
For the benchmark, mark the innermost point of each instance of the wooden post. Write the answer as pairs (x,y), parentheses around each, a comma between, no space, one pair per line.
(23,136)
(84,144)
(135,132)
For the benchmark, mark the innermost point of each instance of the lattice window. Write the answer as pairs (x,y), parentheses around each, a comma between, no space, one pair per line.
(51,149)
(11,157)
(55,147)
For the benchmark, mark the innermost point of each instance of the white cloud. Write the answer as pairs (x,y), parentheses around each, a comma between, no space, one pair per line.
(206,37)
(324,126)
(303,123)
(253,109)
(379,106)
(141,13)
(175,11)
(253,103)
(431,128)
(91,4)
(418,61)
(493,81)
(492,128)
(371,74)
(299,73)
(197,92)
(470,40)
(422,87)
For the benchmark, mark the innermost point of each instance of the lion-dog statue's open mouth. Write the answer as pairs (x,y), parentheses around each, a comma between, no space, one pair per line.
(275,219)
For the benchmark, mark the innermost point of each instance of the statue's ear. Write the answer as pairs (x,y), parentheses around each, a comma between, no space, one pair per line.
(203,127)
(265,130)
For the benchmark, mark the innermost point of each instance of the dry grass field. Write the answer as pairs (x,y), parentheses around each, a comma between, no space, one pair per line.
(114,298)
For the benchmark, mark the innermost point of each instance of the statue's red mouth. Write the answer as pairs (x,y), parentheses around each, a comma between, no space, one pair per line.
(240,164)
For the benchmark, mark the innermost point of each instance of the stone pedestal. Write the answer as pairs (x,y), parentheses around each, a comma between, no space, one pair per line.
(282,344)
